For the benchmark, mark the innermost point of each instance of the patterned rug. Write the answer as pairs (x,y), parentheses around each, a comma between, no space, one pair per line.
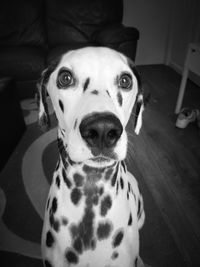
(24,185)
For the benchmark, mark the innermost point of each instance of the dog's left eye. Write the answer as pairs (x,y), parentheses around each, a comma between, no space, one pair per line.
(125,81)
(65,79)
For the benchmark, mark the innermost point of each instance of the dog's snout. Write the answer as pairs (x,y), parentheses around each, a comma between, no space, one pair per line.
(101,130)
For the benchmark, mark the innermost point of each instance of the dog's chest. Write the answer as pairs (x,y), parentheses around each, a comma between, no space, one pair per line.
(89,218)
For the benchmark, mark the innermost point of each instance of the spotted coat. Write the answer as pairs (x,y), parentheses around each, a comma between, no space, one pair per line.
(91,216)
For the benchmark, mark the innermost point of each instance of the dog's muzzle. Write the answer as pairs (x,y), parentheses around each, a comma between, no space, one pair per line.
(101,130)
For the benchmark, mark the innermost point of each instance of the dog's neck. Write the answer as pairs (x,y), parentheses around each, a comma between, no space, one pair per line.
(88,174)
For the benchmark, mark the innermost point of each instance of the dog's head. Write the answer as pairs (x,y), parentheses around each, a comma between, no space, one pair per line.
(93,91)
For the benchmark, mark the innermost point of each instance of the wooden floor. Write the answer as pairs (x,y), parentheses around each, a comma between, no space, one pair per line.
(166,163)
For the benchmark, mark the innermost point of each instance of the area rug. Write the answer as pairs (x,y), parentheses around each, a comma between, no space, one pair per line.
(24,185)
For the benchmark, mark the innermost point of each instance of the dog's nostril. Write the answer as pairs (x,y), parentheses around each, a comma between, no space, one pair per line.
(101,130)
(90,136)
(112,135)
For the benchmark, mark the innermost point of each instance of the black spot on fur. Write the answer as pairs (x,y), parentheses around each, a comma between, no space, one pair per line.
(130,220)
(113,180)
(106,204)
(117,239)
(75,124)
(129,187)
(58,181)
(61,105)
(54,222)
(91,191)
(93,244)
(119,98)
(95,92)
(85,86)
(117,188)
(64,221)
(76,195)
(121,183)
(104,230)
(47,263)
(127,195)
(54,205)
(95,200)
(114,255)
(85,229)
(66,179)
(78,245)
(71,257)
(108,93)
(78,179)
(108,174)
(101,190)
(93,170)
(49,239)
(56,225)
(93,174)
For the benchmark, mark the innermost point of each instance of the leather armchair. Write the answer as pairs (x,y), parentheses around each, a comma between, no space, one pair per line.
(35,32)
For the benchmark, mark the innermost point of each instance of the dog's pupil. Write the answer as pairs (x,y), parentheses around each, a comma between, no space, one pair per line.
(67,78)
(125,81)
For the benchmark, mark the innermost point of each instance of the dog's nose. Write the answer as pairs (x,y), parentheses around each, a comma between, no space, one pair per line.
(101,130)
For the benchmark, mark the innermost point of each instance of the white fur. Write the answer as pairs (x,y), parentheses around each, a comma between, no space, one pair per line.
(101,66)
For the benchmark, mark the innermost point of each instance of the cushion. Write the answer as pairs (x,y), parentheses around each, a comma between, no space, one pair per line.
(21,22)
(76,20)
(22,63)
(115,34)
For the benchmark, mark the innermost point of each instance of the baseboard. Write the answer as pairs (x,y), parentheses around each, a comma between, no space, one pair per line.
(192,76)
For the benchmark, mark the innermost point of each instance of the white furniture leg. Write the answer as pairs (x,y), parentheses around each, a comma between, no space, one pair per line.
(181,91)
(183,83)
(192,63)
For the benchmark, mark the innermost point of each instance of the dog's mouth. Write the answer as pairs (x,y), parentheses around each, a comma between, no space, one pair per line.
(101,160)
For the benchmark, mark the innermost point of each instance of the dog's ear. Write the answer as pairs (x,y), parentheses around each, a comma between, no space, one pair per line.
(139,108)
(44,120)
(141,100)
(139,104)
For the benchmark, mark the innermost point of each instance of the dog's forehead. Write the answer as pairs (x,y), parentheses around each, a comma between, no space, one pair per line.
(93,59)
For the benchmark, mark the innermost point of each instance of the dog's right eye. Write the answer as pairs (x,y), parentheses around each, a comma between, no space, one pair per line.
(64,79)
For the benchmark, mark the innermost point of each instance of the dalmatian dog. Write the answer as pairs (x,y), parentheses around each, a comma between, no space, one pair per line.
(94,209)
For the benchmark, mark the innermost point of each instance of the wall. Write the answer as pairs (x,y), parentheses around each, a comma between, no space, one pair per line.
(185,28)
(152,18)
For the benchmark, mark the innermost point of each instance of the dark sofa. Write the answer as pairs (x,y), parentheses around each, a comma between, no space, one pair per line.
(35,32)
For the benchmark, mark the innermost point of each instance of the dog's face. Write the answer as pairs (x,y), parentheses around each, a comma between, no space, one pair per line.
(93,91)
